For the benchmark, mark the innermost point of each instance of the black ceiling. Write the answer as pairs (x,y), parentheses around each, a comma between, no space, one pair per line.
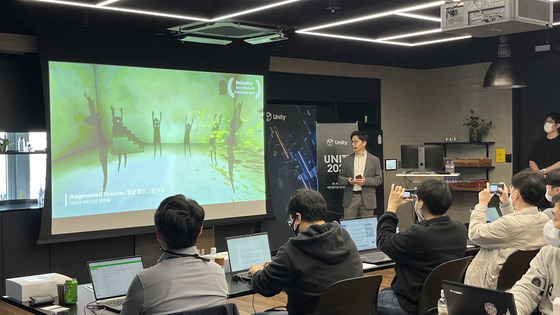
(25,17)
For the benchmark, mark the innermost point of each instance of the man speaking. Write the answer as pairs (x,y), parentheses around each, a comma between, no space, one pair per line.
(360,173)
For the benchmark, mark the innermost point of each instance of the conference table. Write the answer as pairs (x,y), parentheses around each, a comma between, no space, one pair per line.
(236,288)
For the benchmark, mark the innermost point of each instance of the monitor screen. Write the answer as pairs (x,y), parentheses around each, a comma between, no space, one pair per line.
(433,157)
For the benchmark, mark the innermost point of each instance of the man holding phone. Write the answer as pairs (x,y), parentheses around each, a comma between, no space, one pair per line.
(360,173)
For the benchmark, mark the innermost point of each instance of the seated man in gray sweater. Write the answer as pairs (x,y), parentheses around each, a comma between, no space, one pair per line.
(181,280)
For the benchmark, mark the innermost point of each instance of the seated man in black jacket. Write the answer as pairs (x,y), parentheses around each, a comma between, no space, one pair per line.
(433,240)
(320,254)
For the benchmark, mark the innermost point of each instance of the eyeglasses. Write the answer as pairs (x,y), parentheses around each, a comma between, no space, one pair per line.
(550,121)
(356,141)
(289,222)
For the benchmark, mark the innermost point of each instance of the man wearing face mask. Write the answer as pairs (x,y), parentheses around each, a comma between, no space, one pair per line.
(552,188)
(419,249)
(540,284)
(518,229)
(545,154)
(319,254)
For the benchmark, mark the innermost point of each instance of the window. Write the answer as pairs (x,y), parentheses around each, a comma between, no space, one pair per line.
(23,173)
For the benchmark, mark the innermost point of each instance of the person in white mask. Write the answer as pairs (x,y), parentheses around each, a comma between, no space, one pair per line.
(552,189)
(545,154)
(541,283)
(518,229)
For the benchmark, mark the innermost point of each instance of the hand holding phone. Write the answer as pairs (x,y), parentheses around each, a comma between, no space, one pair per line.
(494,188)
(359,176)
(409,194)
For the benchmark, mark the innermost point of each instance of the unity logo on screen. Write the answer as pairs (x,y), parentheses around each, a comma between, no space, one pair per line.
(124,138)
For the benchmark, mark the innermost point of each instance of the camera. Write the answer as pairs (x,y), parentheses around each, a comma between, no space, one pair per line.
(494,188)
(409,194)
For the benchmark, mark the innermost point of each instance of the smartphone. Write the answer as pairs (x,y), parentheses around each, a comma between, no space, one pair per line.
(409,194)
(494,188)
(358,176)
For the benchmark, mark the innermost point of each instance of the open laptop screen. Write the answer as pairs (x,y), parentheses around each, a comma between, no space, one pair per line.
(112,277)
(363,231)
(247,250)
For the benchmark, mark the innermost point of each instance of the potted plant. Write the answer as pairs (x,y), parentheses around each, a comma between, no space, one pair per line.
(4,143)
(478,128)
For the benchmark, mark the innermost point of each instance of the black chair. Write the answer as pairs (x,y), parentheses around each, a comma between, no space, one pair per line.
(514,268)
(356,296)
(453,270)
(222,309)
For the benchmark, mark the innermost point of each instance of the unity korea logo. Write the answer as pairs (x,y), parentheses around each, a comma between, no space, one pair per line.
(330,142)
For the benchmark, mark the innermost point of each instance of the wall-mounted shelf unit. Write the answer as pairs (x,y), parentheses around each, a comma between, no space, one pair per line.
(487,168)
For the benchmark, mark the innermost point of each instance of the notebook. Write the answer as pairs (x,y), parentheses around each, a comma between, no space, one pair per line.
(110,279)
(467,299)
(364,233)
(245,251)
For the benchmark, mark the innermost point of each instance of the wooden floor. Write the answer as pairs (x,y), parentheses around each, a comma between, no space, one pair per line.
(250,304)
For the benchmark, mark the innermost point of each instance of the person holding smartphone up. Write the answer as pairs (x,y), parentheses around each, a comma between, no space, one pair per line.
(422,247)
(360,174)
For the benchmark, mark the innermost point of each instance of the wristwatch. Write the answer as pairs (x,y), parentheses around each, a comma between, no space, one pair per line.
(543,171)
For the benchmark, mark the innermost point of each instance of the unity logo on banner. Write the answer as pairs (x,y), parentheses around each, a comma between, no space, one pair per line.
(333,145)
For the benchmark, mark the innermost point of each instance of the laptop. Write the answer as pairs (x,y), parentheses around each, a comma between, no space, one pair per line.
(492,214)
(467,299)
(110,279)
(364,233)
(245,251)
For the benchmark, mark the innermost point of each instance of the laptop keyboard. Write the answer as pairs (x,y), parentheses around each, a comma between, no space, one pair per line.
(114,303)
(374,257)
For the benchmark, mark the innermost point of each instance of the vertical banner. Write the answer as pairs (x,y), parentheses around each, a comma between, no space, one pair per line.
(333,145)
(290,161)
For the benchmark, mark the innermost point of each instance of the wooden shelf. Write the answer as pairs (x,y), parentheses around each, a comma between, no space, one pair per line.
(477,167)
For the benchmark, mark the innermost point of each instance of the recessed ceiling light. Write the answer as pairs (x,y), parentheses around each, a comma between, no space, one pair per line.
(375,16)
(107,2)
(92,6)
(420,33)
(420,16)
(262,8)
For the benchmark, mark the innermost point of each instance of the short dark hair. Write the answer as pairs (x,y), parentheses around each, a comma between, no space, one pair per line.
(553,177)
(362,135)
(556,199)
(554,116)
(436,194)
(179,220)
(309,203)
(531,185)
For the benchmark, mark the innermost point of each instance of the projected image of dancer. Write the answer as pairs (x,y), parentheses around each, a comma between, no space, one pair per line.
(187,139)
(118,130)
(231,141)
(157,136)
(213,135)
(102,141)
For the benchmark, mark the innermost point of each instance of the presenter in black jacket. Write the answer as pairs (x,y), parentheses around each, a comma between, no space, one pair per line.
(433,240)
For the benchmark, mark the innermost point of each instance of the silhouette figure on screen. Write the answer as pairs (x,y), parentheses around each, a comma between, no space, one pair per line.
(157,136)
(231,141)
(187,140)
(101,141)
(118,131)
(213,135)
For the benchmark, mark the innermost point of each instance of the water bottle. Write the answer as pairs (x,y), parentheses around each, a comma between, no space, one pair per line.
(21,144)
(41,196)
(447,166)
(442,305)
(451,167)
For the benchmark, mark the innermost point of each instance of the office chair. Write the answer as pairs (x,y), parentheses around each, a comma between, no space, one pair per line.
(356,296)
(452,270)
(222,309)
(514,268)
